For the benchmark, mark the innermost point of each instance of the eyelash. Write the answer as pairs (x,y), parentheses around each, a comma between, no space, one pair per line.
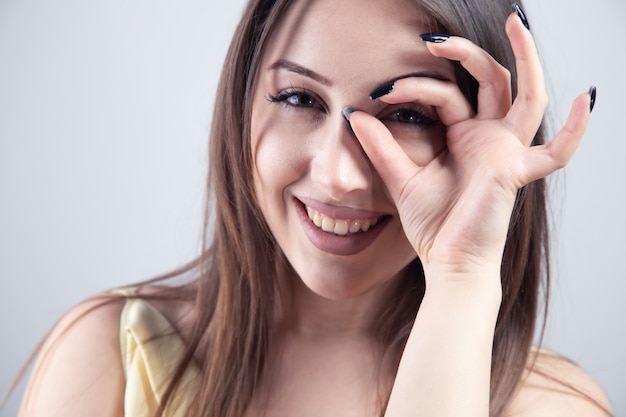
(283,96)
(417,118)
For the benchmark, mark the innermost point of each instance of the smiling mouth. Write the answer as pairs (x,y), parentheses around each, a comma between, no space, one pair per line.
(341,227)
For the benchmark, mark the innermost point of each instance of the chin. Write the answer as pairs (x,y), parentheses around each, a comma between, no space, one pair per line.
(338,282)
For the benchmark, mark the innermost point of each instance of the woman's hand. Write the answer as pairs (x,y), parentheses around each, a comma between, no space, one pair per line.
(455,210)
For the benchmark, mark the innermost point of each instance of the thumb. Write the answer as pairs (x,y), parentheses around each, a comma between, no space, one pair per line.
(386,155)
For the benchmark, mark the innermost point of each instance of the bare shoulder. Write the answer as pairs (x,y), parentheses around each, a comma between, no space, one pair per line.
(555,386)
(79,371)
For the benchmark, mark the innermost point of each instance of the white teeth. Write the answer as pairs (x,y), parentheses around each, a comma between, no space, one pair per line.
(355,226)
(317,219)
(340,226)
(328,224)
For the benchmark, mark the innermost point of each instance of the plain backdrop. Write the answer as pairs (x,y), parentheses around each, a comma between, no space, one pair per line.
(104,113)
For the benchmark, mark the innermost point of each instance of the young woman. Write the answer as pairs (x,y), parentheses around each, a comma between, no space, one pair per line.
(376,180)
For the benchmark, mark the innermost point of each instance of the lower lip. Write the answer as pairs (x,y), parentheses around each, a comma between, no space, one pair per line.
(336,244)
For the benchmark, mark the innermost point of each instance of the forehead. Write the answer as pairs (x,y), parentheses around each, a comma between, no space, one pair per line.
(344,39)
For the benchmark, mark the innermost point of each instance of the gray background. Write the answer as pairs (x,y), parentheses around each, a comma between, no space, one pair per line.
(104,113)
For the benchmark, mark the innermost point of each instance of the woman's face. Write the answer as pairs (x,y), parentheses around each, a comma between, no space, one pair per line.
(325,204)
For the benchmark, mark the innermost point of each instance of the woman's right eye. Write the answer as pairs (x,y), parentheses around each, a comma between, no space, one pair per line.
(295,98)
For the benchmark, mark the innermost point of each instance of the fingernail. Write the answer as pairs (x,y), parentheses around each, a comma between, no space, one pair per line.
(346,112)
(434,37)
(383,90)
(592,94)
(520,12)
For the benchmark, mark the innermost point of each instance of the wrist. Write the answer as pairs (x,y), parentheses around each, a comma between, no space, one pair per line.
(485,273)
(476,290)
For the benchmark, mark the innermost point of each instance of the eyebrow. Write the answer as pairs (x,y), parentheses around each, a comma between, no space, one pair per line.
(291,66)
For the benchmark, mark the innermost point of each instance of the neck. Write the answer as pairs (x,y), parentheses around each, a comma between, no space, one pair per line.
(312,315)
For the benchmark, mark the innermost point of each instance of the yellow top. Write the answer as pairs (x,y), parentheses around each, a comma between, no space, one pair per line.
(151,350)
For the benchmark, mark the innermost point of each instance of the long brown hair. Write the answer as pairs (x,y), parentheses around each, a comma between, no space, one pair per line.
(239,287)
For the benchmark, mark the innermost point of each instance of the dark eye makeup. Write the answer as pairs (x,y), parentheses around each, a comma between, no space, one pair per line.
(296,98)
(407,115)
(412,116)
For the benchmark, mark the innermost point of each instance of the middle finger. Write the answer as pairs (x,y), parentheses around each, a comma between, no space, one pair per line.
(494,80)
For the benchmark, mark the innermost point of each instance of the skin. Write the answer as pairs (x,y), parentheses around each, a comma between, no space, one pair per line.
(431,183)
(446,193)
(309,153)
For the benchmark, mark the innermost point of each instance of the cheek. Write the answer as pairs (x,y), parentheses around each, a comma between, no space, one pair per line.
(279,158)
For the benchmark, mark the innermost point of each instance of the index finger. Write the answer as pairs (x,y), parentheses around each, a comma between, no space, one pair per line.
(452,106)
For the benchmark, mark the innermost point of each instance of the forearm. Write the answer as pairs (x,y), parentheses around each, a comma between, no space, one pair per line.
(446,365)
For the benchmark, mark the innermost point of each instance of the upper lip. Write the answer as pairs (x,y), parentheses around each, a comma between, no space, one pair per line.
(340,212)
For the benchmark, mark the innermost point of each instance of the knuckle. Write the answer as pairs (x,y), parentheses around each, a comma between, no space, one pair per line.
(506,75)
(543,99)
(559,159)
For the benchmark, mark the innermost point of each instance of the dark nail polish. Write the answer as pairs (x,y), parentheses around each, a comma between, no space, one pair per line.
(383,90)
(520,12)
(346,112)
(592,94)
(434,37)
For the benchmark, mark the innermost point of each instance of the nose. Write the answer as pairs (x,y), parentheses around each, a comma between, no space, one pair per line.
(339,164)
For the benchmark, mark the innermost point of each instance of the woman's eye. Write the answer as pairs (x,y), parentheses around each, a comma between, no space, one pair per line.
(301,100)
(295,99)
(411,117)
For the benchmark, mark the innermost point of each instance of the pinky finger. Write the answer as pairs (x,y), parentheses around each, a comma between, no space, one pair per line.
(556,154)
